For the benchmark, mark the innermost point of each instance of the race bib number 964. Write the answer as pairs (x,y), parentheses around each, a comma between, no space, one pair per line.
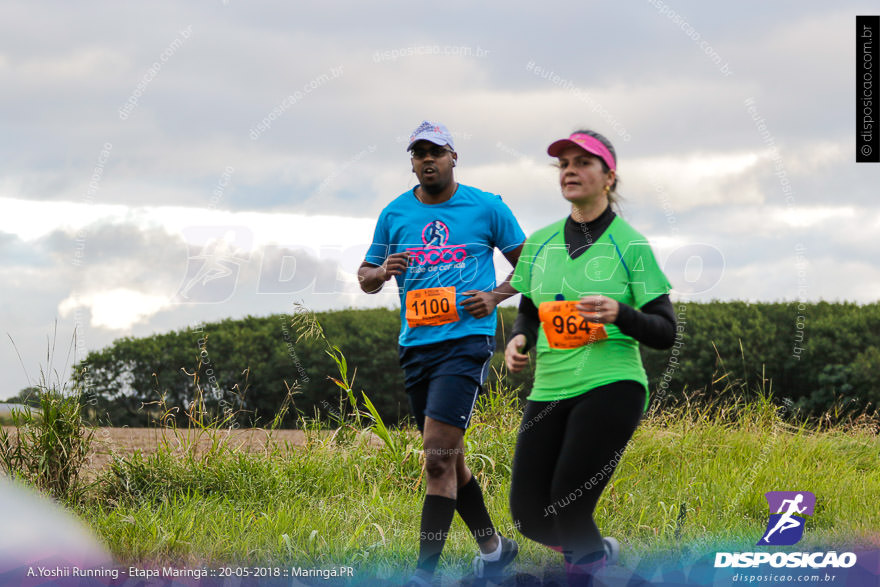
(431,307)
(565,328)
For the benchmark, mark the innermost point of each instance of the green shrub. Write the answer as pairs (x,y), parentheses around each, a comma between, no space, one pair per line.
(48,445)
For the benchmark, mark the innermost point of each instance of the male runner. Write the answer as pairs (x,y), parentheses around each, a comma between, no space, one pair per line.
(437,240)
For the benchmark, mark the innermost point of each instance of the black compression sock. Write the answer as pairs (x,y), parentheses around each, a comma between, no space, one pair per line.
(472,509)
(437,513)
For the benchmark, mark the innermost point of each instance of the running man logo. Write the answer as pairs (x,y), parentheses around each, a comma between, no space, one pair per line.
(787,510)
(215,256)
(435,234)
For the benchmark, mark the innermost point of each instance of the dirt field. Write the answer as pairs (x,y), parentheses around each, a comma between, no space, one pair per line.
(108,441)
(126,440)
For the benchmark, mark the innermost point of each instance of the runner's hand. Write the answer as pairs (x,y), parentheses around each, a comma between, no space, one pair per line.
(515,359)
(394,265)
(599,309)
(480,303)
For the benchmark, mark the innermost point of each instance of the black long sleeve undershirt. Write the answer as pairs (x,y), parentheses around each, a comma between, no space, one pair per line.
(653,326)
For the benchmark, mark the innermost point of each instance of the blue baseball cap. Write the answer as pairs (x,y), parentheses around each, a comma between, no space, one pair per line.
(433,132)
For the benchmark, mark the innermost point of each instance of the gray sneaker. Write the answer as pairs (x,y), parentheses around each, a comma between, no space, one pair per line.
(612,550)
(492,571)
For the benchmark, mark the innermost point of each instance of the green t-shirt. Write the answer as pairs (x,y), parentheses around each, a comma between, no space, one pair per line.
(619,265)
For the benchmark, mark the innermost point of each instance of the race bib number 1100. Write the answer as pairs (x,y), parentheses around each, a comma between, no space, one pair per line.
(431,307)
(565,328)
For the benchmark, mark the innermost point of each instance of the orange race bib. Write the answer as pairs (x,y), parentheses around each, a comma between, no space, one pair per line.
(565,328)
(431,307)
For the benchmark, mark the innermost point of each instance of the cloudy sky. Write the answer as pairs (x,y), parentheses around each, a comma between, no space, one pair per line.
(168,163)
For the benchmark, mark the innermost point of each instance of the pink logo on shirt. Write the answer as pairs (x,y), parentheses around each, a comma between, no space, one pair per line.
(435,235)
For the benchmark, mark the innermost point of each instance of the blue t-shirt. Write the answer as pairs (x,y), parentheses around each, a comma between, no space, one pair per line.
(450,245)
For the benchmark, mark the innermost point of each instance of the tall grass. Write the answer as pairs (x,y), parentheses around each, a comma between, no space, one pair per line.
(401,447)
(49,445)
(685,483)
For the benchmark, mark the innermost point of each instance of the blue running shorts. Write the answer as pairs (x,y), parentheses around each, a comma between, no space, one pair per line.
(443,379)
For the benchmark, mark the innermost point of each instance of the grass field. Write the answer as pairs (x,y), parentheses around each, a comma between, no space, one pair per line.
(691,480)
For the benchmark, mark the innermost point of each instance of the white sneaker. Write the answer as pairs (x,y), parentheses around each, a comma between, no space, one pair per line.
(494,570)
(612,550)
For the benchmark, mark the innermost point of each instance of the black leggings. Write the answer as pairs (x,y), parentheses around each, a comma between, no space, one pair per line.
(566,453)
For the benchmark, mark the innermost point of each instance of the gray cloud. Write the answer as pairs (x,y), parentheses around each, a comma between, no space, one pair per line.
(116,259)
(334,145)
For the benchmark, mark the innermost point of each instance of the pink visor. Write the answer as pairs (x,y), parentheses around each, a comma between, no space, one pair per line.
(587,143)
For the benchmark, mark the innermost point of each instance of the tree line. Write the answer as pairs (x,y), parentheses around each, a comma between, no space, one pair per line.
(822,356)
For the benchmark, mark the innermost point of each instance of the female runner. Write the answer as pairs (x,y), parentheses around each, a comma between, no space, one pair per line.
(592,291)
